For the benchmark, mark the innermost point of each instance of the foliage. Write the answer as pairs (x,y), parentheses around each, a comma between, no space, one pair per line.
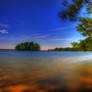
(66,49)
(73,8)
(72,12)
(86,44)
(85,27)
(75,44)
(83,45)
(32,46)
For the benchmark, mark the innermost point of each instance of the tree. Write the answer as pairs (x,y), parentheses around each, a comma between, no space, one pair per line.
(32,46)
(75,44)
(85,27)
(83,45)
(72,12)
(86,44)
(73,8)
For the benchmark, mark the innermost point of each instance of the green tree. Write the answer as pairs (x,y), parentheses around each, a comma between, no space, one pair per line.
(72,12)
(72,9)
(83,45)
(85,27)
(32,46)
(75,44)
(86,44)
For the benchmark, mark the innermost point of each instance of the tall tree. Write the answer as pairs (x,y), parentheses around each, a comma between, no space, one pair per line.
(73,9)
(72,12)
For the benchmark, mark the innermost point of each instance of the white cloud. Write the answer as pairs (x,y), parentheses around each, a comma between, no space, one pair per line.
(4,31)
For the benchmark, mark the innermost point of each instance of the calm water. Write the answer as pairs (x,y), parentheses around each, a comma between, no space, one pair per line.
(45,71)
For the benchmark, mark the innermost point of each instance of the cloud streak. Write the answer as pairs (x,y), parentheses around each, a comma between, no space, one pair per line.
(68,39)
(62,28)
(40,36)
(4,31)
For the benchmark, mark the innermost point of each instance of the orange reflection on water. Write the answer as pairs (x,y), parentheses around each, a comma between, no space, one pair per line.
(18,88)
(55,77)
(27,88)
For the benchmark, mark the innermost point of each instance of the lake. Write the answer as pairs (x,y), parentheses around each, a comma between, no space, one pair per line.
(45,71)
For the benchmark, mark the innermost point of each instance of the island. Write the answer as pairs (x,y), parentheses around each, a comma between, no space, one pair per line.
(28,46)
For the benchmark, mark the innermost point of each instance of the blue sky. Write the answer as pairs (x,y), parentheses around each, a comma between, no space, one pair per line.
(35,20)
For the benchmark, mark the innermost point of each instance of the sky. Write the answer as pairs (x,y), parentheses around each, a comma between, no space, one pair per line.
(35,20)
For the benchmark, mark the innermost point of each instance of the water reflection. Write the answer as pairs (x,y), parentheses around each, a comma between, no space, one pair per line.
(35,72)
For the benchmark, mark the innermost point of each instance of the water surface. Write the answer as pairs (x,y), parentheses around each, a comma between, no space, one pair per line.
(22,71)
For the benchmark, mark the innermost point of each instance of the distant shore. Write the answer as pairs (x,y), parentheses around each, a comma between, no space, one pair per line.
(68,49)
(7,49)
(56,49)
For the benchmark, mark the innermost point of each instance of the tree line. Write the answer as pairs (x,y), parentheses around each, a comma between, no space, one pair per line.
(71,12)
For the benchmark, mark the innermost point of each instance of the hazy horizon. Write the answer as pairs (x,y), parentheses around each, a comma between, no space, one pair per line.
(36,21)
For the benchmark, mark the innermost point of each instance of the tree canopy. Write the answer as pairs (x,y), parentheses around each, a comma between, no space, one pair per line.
(85,45)
(73,8)
(72,12)
(85,26)
(32,46)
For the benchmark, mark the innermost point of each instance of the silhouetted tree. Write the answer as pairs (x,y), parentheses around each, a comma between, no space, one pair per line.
(32,46)
(73,8)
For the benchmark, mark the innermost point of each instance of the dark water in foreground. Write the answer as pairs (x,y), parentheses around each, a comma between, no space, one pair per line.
(45,71)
